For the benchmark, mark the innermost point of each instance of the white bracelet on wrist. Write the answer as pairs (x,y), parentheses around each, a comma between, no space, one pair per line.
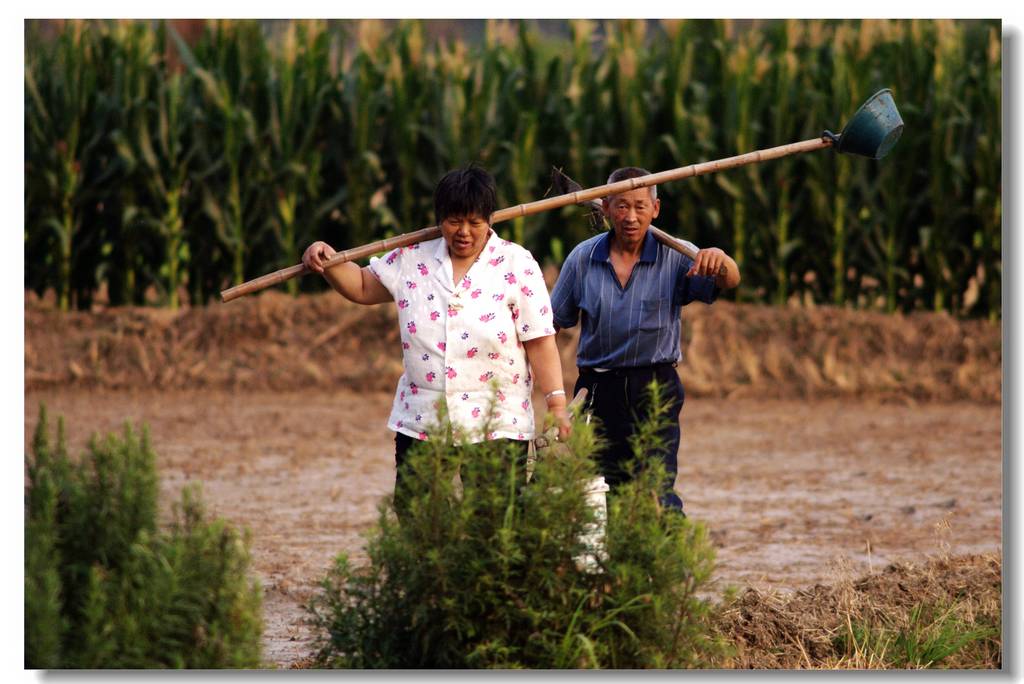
(554,393)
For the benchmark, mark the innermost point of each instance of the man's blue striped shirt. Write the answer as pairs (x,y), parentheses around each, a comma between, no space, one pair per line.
(626,327)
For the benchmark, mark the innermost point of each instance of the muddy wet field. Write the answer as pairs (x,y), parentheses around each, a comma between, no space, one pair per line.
(794,491)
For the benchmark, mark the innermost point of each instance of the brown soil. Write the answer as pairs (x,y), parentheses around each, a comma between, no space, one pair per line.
(278,407)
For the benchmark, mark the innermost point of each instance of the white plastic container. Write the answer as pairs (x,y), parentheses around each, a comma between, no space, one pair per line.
(593,538)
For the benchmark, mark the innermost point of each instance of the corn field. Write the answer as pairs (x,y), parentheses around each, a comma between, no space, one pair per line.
(162,167)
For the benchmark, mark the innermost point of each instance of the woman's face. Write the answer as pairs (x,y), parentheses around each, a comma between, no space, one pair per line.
(465,235)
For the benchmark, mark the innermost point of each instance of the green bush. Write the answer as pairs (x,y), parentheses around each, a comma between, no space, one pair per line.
(480,576)
(105,587)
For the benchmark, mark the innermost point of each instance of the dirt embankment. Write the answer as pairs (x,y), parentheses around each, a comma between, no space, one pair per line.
(275,342)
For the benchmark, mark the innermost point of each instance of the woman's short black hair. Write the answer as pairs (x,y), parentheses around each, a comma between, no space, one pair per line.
(469,191)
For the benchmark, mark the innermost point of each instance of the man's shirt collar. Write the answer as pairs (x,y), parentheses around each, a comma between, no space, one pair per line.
(649,252)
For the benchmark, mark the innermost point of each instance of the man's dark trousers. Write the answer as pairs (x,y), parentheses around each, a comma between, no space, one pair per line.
(620,399)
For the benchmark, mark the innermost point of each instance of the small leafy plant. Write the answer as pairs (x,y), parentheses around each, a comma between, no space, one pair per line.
(105,587)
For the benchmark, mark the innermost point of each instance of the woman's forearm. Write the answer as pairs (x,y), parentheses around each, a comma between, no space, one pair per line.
(354,283)
(346,279)
(545,364)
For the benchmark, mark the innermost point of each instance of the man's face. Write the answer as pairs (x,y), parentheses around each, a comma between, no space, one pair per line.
(630,214)
(465,235)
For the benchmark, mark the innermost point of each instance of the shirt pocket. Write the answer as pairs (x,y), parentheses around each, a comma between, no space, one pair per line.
(653,313)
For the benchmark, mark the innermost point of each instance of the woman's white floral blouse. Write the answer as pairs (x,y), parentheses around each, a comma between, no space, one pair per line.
(463,342)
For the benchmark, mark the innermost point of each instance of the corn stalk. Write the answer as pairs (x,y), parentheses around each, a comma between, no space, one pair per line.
(61,93)
(299,85)
(230,89)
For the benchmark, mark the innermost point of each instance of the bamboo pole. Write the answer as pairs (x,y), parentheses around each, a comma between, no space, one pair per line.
(579,197)
(661,236)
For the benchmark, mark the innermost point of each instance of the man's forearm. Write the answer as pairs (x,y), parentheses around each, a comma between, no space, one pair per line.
(731,278)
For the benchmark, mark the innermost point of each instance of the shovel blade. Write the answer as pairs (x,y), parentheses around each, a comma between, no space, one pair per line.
(874,129)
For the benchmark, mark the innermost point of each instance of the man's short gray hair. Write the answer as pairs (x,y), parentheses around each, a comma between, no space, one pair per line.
(627,172)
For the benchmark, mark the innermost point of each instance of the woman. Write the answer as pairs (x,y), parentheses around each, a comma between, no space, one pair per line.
(475,321)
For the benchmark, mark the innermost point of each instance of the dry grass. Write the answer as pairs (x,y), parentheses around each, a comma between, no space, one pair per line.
(856,624)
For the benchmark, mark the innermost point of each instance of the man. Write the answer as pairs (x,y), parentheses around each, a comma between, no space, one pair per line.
(626,289)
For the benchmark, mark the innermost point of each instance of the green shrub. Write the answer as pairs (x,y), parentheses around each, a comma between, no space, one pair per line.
(106,588)
(481,576)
